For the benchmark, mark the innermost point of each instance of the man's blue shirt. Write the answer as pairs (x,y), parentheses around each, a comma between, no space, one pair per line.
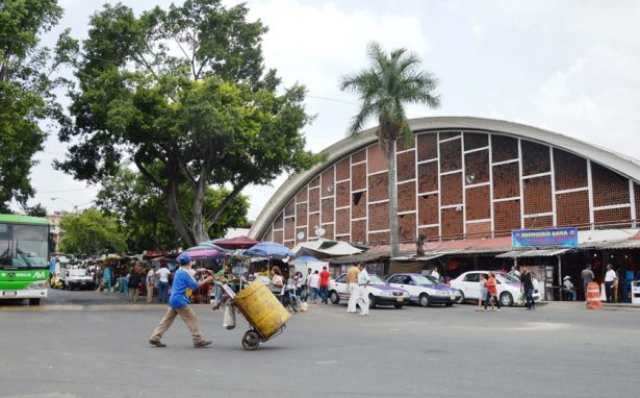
(181,281)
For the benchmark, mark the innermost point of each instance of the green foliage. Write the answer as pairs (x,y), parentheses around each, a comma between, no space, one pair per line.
(36,211)
(143,214)
(392,81)
(182,93)
(91,233)
(26,89)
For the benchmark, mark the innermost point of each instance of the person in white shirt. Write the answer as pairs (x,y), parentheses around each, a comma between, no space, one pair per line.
(363,285)
(163,283)
(609,278)
(435,274)
(569,288)
(314,285)
(151,283)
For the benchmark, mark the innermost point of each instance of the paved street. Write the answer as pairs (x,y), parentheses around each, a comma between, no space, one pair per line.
(87,344)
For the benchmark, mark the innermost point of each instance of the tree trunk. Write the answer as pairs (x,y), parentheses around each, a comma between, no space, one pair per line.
(393,198)
(176,217)
(198,225)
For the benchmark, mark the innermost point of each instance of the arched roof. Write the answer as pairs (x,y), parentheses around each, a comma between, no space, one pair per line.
(620,163)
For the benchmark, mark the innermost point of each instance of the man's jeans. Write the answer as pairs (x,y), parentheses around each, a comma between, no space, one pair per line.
(163,290)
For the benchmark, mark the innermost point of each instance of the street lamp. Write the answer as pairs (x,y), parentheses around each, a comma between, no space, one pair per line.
(75,207)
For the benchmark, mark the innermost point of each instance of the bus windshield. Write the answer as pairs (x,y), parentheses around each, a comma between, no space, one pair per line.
(23,246)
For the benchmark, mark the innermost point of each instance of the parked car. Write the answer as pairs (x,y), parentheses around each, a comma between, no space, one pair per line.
(379,292)
(77,279)
(508,287)
(424,289)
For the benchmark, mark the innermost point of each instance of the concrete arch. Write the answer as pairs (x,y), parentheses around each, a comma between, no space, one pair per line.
(617,162)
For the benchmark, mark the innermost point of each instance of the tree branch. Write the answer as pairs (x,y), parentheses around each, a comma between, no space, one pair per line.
(217,212)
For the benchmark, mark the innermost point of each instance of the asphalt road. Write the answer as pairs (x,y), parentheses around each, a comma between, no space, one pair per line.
(87,344)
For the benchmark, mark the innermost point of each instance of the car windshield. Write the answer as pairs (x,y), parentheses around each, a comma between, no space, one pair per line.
(423,280)
(375,280)
(507,278)
(78,272)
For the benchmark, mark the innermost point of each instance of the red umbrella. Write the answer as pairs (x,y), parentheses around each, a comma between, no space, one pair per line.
(239,242)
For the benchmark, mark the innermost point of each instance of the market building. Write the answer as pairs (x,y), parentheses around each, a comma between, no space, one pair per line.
(463,188)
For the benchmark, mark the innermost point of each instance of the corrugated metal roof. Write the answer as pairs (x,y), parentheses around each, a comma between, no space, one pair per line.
(532,253)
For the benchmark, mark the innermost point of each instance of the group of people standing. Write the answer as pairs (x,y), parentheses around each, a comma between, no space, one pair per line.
(488,293)
(312,286)
(611,282)
(489,289)
(316,284)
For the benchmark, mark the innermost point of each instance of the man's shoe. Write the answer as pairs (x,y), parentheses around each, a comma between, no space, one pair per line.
(201,344)
(157,343)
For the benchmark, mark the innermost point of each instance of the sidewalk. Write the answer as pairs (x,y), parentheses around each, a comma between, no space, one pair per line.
(583,303)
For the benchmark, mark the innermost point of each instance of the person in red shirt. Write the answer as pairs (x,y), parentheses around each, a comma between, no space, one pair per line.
(325,276)
(492,292)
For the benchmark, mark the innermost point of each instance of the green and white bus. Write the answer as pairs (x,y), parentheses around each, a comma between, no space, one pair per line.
(24,249)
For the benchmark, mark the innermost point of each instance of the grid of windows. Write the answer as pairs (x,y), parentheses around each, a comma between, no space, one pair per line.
(456,185)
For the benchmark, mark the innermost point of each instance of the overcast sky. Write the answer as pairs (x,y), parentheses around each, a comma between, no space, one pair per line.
(568,66)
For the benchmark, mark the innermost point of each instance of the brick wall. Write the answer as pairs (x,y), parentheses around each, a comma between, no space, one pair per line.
(454,185)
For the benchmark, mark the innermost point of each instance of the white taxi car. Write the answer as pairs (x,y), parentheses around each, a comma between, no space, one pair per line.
(425,290)
(379,292)
(508,287)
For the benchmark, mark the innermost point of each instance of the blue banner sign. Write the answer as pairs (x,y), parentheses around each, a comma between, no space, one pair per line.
(565,237)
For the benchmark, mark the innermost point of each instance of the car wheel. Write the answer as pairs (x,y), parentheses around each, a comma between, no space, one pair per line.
(372,301)
(424,300)
(333,296)
(506,299)
(461,299)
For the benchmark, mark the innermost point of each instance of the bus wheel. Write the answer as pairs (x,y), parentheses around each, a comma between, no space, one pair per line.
(34,301)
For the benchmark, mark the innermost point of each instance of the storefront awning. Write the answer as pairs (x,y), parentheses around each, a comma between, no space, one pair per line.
(532,253)
(425,257)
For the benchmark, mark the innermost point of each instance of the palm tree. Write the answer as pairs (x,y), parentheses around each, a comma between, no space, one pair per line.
(392,81)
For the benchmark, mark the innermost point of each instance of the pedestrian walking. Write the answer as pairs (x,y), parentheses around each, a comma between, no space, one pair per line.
(306,290)
(179,305)
(325,277)
(352,285)
(526,280)
(363,285)
(133,283)
(483,292)
(492,292)
(151,281)
(314,285)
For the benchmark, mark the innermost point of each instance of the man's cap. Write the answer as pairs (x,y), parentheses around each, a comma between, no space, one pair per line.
(566,277)
(184,258)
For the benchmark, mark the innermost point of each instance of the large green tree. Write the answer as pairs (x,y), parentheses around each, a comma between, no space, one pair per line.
(183,93)
(91,233)
(143,214)
(393,80)
(26,90)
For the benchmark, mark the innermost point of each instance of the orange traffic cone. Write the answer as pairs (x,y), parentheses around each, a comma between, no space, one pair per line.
(593,296)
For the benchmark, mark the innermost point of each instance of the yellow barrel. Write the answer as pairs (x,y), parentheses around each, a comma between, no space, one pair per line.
(262,308)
